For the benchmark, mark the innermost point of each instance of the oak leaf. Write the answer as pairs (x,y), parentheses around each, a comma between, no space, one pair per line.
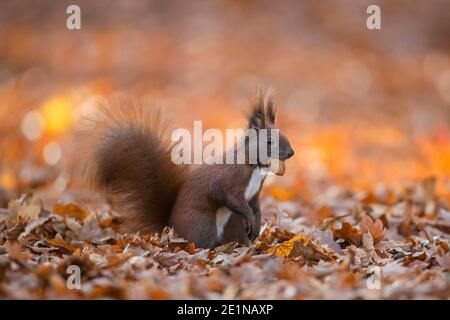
(285,249)
(349,233)
(375,228)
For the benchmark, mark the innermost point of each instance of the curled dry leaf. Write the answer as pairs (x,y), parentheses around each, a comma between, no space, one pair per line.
(33,225)
(59,242)
(70,210)
(348,233)
(375,228)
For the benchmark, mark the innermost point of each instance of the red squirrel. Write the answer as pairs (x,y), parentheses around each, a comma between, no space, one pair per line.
(129,159)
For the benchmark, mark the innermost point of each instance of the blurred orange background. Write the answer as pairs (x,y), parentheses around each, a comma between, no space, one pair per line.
(361,107)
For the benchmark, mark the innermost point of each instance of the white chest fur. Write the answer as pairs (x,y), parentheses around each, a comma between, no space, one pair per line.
(254,184)
(223,213)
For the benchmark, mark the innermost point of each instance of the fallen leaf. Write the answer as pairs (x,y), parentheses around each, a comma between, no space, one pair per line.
(285,249)
(30,212)
(16,252)
(348,233)
(376,228)
(59,242)
(70,210)
(33,225)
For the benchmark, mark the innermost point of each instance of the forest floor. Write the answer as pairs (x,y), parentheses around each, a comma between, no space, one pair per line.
(370,245)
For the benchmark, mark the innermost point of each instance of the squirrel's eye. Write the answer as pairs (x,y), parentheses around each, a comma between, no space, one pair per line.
(269,140)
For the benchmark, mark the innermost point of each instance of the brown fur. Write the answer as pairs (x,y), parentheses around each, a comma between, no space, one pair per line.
(209,188)
(129,159)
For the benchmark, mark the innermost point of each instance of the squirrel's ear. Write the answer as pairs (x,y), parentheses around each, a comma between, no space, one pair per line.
(270,109)
(256,120)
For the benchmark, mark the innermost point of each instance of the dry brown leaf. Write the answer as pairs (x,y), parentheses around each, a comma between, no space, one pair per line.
(59,242)
(348,233)
(29,212)
(376,228)
(70,210)
(16,252)
(33,225)
(285,249)
(444,261)
(16,230)
(368,241)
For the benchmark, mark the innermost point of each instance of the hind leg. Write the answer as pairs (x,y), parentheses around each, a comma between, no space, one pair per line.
(234,230)
(199,228)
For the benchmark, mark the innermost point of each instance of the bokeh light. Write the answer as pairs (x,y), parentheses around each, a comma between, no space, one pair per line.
(359,106)
(52,153)
(32,125)
(57,114)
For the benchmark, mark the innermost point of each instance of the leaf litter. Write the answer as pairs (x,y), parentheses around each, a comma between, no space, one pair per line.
(295,257)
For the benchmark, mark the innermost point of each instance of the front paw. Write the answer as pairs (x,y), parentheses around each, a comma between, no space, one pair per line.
(252,228)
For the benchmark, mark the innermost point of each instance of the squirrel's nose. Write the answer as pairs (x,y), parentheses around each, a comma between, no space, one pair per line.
(290,153)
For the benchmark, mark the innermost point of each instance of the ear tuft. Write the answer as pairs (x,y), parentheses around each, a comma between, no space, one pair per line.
(257,117)
(262,111)
(270,108)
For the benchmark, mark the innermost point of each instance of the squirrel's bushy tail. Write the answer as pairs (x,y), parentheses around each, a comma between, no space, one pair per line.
(128,158)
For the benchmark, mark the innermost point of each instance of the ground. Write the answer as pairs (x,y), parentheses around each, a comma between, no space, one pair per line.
(381,245)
